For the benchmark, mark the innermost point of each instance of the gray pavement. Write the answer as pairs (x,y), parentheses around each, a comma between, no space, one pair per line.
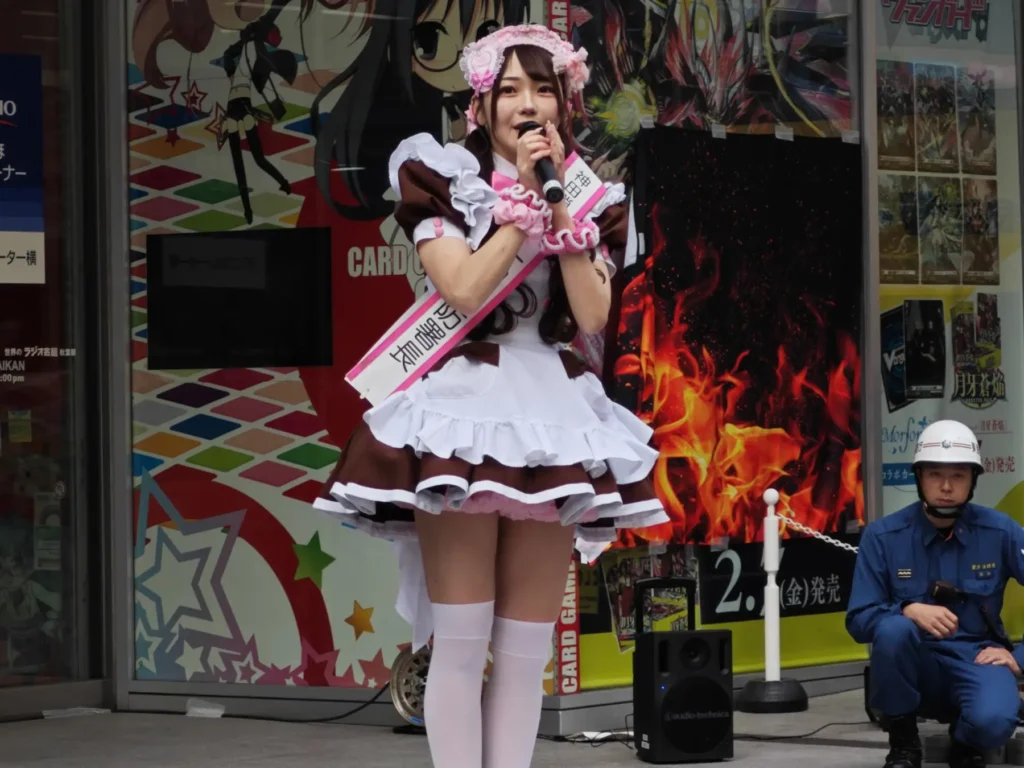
(131,740)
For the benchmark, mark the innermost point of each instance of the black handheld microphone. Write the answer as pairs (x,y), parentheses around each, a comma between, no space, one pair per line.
(545,170)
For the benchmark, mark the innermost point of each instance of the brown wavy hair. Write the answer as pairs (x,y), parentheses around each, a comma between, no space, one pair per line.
(557,324)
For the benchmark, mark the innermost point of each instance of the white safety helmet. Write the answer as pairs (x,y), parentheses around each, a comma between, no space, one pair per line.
(948,442)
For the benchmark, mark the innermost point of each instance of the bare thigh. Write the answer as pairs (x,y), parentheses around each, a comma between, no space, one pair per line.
(532,568)
(458,556)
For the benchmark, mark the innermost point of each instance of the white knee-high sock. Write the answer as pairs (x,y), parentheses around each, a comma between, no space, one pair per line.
(514,694)
(451,704)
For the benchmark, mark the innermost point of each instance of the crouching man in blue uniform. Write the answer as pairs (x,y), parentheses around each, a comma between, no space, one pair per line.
(927,594)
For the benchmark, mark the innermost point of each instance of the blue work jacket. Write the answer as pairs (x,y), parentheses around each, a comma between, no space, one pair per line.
(902,554)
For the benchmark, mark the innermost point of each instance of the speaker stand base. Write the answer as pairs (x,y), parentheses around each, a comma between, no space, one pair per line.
(761,697)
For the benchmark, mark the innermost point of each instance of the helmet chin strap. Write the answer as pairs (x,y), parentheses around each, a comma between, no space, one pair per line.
(944,513)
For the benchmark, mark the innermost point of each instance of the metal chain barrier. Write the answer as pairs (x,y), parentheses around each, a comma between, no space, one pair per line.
(817,534)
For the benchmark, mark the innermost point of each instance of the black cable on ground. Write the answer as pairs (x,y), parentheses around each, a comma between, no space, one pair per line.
(798,736)
(611,737)
(295,721)
(598,739)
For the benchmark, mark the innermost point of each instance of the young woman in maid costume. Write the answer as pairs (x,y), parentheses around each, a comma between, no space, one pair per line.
(488,467)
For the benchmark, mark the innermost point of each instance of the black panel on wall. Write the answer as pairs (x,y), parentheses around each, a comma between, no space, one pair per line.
(258,298)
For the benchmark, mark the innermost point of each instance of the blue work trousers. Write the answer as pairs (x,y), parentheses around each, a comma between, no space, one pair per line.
(939,680)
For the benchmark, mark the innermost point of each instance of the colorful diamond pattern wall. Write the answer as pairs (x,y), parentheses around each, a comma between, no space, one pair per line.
(254,424)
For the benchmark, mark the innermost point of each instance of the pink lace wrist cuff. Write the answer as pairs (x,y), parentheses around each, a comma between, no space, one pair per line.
(585,237)
(524,208)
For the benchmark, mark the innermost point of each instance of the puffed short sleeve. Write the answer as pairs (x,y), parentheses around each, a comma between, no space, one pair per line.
(425,209)
(440,190)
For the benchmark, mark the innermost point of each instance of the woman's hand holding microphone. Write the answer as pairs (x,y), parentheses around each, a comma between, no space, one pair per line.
(534,145)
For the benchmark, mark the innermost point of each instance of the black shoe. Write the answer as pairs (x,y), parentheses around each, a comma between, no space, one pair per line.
(904,743)
(964,756)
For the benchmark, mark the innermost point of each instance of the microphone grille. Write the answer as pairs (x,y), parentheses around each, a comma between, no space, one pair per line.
(529,125)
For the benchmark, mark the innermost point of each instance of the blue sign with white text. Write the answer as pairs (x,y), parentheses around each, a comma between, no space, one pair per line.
(21,169)
(898,475)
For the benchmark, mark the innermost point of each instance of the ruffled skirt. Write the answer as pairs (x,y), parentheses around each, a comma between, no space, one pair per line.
(520,430)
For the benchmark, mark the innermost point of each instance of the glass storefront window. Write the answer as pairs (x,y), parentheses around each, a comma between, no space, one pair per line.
(42,605)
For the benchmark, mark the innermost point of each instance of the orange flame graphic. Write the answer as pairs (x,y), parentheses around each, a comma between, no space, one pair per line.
(723,440)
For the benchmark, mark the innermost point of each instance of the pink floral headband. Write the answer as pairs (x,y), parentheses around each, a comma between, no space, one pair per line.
(481,61)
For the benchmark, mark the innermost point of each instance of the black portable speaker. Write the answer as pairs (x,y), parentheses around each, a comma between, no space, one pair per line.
(682,687)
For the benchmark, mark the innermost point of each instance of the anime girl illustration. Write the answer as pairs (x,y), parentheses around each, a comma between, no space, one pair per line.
(250,62)
(406,80)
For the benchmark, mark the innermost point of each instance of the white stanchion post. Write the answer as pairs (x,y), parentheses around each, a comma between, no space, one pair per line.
(772,652)
(772,695)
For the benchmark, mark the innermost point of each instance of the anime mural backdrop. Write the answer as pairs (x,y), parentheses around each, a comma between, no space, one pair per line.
(748,67)
(237,579)
(745,65)
(733,411)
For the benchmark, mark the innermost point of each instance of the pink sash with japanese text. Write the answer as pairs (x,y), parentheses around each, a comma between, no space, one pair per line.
(430,327)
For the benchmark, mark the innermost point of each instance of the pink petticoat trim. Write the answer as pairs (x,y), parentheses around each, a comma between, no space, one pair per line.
(489,502)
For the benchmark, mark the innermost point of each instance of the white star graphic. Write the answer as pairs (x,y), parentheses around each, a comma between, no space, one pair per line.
(215,541)
(173,580)
(190,660)
(242,674)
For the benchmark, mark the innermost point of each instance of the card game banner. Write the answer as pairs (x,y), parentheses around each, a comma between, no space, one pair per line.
(948,235)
